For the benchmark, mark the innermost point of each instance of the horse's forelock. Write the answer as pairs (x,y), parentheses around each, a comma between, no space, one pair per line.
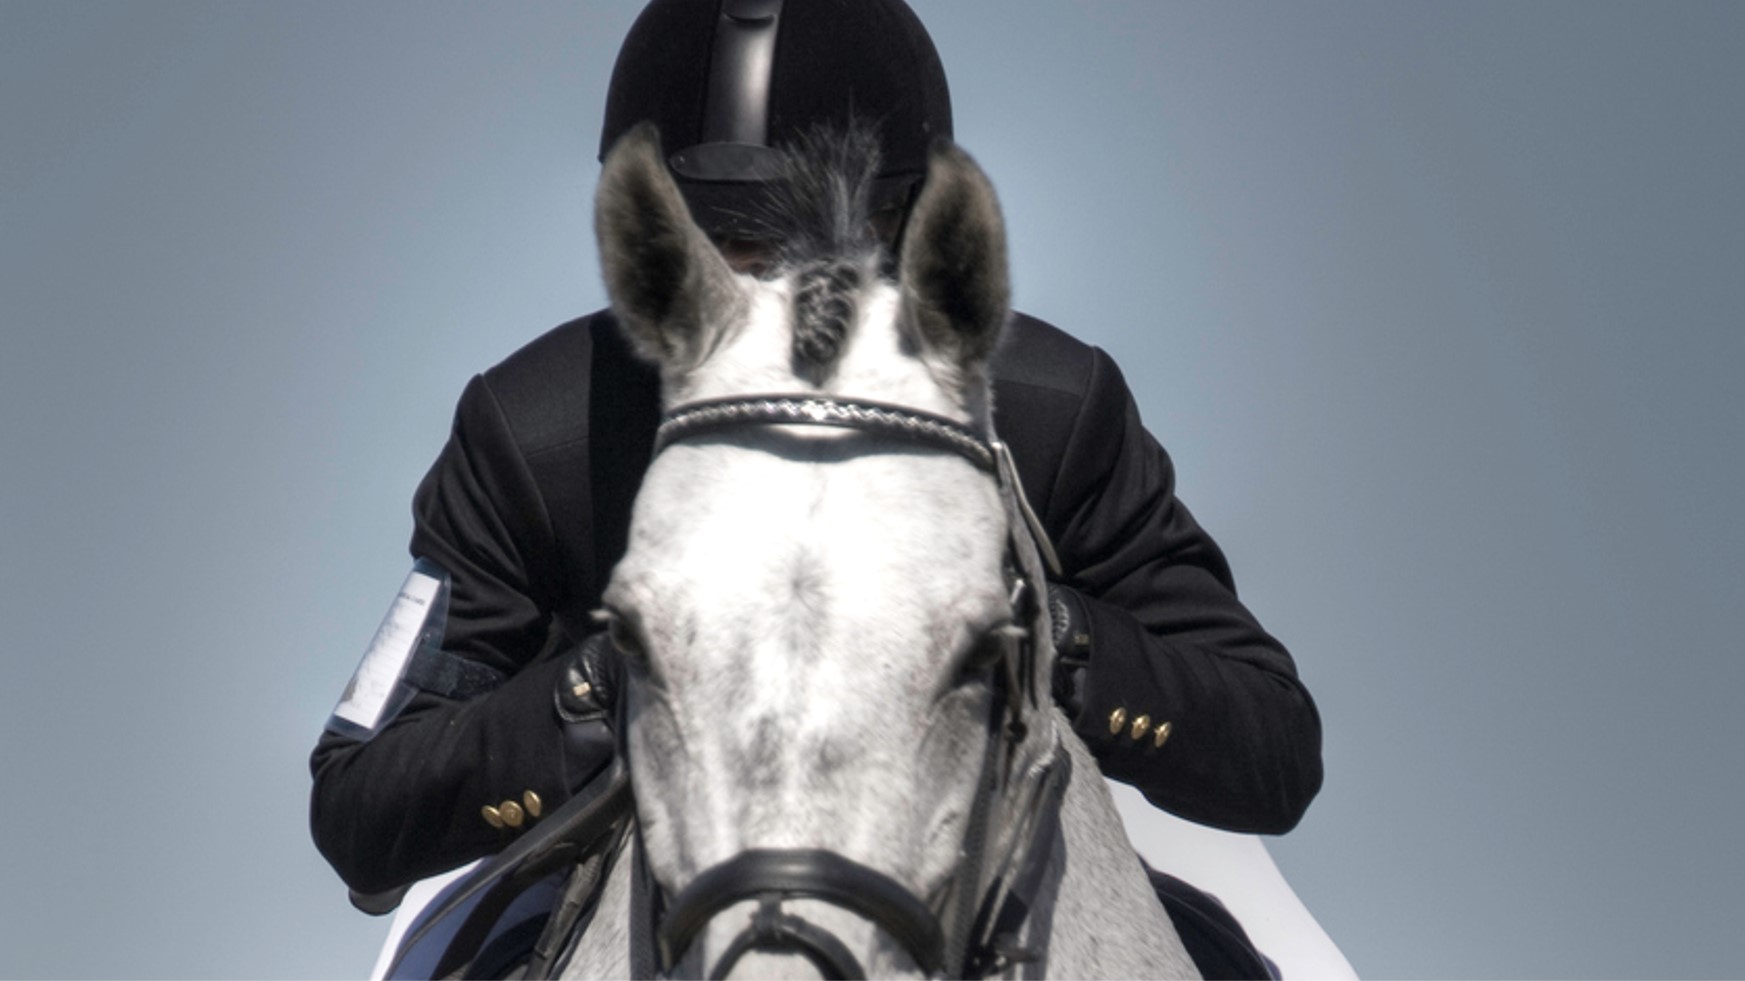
(825,303)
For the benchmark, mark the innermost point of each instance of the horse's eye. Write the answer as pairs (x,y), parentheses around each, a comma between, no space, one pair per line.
(626,638)
(984,654)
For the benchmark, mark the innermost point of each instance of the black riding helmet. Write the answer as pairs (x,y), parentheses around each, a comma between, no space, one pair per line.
(727,80)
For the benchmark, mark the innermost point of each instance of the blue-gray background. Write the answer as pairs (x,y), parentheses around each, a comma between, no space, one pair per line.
(1437,306)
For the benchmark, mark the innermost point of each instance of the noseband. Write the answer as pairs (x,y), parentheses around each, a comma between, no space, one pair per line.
(976,932)
(770,875)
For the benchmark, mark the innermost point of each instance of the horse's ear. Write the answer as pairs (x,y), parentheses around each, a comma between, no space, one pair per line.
(953,264)
(671,290)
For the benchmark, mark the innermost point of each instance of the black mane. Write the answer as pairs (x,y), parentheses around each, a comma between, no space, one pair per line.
(819,206)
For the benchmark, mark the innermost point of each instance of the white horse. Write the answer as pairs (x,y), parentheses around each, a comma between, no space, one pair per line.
(837,714)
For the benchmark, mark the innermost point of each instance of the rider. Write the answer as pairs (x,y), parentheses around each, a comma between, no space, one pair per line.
(1164,673)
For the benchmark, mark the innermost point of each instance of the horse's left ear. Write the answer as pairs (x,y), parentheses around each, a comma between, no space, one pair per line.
(671,289)
(953,264)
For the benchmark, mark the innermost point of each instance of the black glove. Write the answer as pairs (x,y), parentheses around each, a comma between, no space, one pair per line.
(585,700)
(587,689)
(1072,647)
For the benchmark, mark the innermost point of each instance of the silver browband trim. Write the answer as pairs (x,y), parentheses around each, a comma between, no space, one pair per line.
(893,420)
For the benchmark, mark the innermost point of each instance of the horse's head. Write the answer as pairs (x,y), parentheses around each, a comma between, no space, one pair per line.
(812,617)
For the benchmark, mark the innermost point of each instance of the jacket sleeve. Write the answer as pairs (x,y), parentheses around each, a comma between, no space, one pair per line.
(1169,641)
(409,802)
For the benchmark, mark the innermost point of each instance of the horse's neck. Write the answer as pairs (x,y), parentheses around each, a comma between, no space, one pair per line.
(603,949)
(1096,914)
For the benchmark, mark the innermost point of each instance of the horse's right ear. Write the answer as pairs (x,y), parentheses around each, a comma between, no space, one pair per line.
(669,286)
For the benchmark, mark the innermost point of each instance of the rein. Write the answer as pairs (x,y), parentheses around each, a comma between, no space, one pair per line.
(975,934)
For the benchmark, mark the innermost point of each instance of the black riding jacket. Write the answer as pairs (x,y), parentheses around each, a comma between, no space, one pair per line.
(528,509)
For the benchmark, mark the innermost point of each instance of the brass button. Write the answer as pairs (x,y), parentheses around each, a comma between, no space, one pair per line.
(512,814)
(1163,731)
(1117,719)
(531,801)
(1141,726)
(493,817)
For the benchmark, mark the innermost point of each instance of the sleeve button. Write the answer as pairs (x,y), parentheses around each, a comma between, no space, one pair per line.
(532,803)
(1117,719)
(512,813)
(1162,736)
(493,817)
(1141,726)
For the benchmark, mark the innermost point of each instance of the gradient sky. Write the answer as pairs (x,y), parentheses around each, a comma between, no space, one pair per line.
(1437,307)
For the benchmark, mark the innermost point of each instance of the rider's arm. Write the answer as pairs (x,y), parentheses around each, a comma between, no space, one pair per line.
(1168,639)
(410,802)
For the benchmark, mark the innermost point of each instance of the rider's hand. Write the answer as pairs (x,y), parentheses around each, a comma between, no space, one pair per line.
(588,688)
(1072,647)
(586,696)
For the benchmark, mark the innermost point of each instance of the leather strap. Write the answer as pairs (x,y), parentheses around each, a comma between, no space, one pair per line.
(810,873)
(772,929)
(569,831)
(1012,895)
(818,410)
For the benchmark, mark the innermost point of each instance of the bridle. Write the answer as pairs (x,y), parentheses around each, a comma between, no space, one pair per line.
(975,929)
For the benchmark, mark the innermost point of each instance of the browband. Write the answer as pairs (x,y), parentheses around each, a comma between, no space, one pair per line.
(816,410)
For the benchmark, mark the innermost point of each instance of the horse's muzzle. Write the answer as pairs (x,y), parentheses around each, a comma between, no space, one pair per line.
(770,876)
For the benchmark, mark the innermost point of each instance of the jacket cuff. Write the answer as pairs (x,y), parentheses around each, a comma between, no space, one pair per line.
(1124,719)
(1211,739)
(525,766)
